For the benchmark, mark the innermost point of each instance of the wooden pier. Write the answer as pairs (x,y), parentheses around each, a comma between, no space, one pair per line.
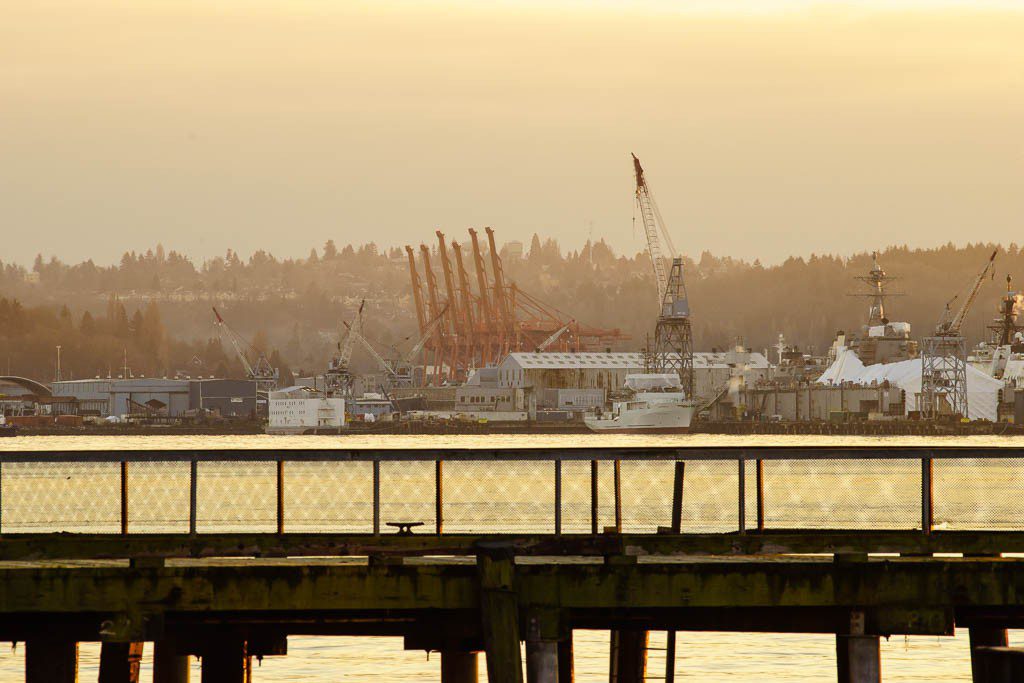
(620,539)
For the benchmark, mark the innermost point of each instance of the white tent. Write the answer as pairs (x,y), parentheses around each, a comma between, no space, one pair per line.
(982,390)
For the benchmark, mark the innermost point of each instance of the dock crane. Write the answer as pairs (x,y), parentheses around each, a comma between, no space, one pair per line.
(338,377)
(399,371)
(673,336)
(944,358)
(265,376)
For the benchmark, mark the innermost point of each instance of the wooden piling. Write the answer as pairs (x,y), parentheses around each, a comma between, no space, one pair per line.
(459,667)
(670,657)
(542,661)
(168,665)
(984,637)
(51,660)
(998,664)
(500,615)
(566,664)
(227,661)
(628,657)
(120,662)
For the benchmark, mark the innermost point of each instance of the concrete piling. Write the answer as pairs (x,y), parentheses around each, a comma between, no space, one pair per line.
(858,656)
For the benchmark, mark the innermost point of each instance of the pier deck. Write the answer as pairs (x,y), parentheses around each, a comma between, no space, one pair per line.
(194,551)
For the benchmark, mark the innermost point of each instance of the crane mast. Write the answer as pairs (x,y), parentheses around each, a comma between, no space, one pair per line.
(673,336)
(261,371)
(944,358)
(339,372)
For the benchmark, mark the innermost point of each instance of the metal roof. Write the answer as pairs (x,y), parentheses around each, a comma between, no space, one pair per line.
(622,360)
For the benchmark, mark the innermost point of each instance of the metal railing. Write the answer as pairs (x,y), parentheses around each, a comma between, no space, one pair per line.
(537,491)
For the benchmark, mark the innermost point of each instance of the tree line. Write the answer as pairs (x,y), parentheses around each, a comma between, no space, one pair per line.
(154,307)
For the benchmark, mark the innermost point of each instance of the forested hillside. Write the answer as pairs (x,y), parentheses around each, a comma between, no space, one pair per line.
(154,307)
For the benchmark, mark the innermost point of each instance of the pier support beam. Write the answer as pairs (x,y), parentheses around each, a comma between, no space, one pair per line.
(858,656)
(120,662)
(51,661)
(981,637)
(628,661)
(566,665)
(168,665)
(500,615)
(227,661)
(459,667)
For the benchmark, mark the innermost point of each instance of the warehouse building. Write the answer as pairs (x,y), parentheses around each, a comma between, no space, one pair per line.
(234,398)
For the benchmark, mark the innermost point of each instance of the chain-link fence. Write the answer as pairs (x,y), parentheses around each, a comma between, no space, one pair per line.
(559,491)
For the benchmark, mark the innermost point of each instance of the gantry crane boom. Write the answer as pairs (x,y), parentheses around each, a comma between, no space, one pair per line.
(465,296)
(653,225)
(543,346)
(417,289)
(951,326)
(345,346)
(486,312)
(261,371)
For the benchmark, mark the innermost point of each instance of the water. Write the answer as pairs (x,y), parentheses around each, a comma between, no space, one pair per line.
(707,657)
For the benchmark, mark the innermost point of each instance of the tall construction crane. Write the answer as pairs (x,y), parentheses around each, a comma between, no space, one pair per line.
(673,336)
(399,371)
(260,370)
(944,358)
(654,225)
(339,374)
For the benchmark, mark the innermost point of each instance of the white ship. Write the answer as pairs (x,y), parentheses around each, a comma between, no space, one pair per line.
(655,403)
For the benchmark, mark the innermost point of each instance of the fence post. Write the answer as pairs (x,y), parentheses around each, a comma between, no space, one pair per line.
(618,496)
(742,472)
(593,496)
(192,487)
(677,497)
(558,497)
(927,491)
(376,497)
(438,498)
(280,496)
(124,497)
(760,495)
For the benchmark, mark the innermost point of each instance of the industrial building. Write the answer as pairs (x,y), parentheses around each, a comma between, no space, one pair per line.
(607,371)
(160,397)
(237,398)
(299,409)
(810,403)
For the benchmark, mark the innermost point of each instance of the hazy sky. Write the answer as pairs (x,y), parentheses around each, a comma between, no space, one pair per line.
(767,128)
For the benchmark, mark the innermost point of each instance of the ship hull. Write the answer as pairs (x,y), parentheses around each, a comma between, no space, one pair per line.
(667,418)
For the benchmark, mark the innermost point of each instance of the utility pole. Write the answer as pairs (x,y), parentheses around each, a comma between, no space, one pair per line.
(57,378)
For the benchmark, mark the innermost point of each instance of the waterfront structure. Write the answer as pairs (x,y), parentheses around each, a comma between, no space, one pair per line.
(980,390)
(811,402)
(235,398)
(712,370)
(709,507)
(299,409)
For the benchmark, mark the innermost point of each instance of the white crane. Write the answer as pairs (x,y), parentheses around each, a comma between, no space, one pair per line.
(394,368)
(543,346)
(654,225)
(261,371)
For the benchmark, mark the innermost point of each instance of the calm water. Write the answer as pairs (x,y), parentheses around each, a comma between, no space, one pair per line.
(710,657)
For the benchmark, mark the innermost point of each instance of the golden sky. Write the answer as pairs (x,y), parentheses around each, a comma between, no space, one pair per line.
(768,128)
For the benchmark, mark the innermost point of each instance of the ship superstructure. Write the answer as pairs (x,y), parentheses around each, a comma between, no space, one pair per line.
(881,340)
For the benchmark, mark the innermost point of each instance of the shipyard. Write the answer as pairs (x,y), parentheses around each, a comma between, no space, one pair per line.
(488,356)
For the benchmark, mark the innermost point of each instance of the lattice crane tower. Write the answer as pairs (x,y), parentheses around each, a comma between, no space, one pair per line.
(673,336)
